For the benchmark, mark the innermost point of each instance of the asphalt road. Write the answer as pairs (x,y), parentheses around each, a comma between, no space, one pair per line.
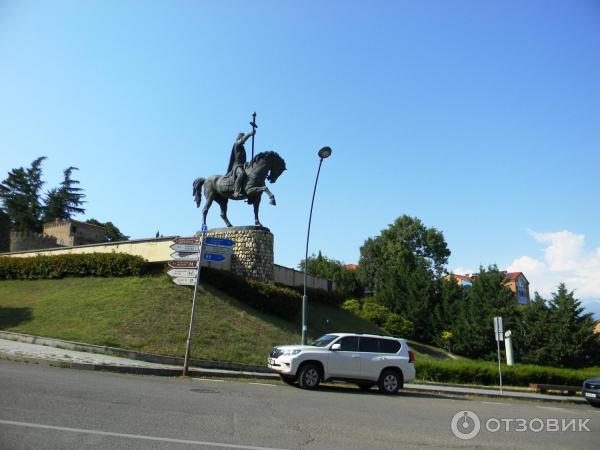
(51,408)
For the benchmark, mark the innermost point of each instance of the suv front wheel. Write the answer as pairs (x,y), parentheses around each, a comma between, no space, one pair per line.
(309,377)
(390,381)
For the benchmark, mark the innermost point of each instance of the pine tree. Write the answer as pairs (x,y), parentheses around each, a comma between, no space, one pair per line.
(65,201)
(20,195)
(531,336)
(572,342)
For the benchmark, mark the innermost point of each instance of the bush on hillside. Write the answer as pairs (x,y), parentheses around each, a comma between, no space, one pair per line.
(484,373)
(80,265)
(265,297)
(320,296)
(390,322)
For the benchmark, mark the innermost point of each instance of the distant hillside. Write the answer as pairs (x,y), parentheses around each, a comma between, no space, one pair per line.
(151,314)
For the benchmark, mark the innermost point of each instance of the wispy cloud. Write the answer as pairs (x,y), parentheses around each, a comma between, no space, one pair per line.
(566,259)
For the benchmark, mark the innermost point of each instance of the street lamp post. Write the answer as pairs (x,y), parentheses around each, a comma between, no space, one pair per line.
(325,152)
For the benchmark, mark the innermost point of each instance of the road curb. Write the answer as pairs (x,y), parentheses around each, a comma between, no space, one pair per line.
(133,370)
(130,354)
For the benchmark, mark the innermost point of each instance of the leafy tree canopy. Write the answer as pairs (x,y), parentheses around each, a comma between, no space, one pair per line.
(111,232)
(346,280)
(20,195)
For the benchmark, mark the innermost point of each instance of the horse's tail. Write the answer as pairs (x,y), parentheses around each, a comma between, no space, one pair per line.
(197,191)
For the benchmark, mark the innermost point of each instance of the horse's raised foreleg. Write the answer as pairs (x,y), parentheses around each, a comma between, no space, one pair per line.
(223,204)
(271,196)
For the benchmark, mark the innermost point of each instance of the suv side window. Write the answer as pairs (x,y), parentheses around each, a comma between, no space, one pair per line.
(367,344)
(349,344)
(389,346)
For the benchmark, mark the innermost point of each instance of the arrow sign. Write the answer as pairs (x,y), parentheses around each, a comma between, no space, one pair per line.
(185,281)
(183,264)
(185,247)
(187,240)
(217,249)
(183,273)
(185,255)
(219,241)
(213,257)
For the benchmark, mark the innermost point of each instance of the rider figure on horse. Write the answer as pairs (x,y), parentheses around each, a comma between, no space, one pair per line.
(237,161)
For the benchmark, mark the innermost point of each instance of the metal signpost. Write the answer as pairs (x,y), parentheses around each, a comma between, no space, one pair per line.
(188,255)
(499,334)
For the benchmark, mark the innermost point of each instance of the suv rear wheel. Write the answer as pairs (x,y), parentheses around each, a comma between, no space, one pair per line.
(389,382)
(309,377)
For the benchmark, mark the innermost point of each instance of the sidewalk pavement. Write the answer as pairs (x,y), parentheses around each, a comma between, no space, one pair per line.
(54,356)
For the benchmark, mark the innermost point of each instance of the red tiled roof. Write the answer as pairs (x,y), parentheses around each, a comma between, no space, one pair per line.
(351,266)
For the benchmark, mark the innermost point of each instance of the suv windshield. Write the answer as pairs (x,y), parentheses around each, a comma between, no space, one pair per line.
(324,341)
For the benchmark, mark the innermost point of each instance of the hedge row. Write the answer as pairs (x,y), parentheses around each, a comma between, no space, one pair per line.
(320,296)
(271,299)
(80,265)
(486,373)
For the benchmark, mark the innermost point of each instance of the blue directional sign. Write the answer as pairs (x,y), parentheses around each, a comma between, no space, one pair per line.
(219,241)
(213,257)
(204,228)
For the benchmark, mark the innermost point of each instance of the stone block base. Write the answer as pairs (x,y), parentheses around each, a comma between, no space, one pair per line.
(252,252)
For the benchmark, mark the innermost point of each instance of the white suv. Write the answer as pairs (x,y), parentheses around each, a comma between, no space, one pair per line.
(363,359)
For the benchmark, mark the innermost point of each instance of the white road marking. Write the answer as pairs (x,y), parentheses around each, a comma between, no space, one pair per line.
(263,384)
(496,403)
(131,436)
(208,379)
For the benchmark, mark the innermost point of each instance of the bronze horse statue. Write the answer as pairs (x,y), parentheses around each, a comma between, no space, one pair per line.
(266,165)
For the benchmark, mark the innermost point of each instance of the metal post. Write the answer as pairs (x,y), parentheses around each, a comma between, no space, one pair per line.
(188,345)
(304,297)
(499,366)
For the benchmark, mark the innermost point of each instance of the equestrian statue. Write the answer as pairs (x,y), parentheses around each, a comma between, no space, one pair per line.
(243,180)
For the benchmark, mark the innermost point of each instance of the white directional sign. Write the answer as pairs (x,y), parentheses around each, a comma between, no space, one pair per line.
(182,272)
(185,255)
(217,249)
(498,328)
(185,281)
(185,247)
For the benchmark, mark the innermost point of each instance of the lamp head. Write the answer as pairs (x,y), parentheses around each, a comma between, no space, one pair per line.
(325,152)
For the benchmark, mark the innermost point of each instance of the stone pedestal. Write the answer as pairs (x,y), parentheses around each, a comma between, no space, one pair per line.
(252,252)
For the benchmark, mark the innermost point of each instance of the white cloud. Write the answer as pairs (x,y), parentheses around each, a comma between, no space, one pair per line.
(566,259)
(462,270)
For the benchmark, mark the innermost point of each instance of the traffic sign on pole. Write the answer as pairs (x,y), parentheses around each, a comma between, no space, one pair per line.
(213,257)
(179,264)
(186,247)
(219,241)
(498,328)
(219,250)
(182,273)
(187,240)
(189,256)
(185,281)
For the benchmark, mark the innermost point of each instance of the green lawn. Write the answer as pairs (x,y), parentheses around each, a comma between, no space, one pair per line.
(151,314)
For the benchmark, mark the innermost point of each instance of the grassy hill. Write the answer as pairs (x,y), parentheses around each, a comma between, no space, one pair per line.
(151,314)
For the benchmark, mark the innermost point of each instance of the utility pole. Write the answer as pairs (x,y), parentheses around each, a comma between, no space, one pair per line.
(188,345)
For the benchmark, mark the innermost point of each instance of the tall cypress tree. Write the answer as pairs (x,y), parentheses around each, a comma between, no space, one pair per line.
(20,195)
(572,342)
(66,200)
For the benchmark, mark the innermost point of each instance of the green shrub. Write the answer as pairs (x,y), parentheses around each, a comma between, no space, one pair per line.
(319,295)
(265,297)
(80,265)
(368,309)
(486,373)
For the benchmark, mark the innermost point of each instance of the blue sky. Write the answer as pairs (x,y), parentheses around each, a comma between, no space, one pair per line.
(480,118)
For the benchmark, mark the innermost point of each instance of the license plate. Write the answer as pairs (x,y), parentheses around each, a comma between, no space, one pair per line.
(590,394)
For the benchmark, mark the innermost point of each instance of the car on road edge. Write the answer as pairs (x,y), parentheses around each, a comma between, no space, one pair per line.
(363,359)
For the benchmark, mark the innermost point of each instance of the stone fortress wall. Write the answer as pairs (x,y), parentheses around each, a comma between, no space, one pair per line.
(250,242)
(72,232)
(27,240)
